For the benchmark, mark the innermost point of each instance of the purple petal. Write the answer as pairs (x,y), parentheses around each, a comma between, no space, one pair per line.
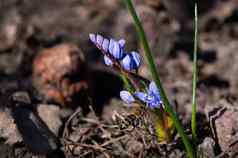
(131,61)
(127,97)
(153,88)
(107,61)
(111,46)
(127,63)
(142,96)
(99,40)
(153,105)
(122,43)
(116,50)
(105,45)
(136,58)
(92,37)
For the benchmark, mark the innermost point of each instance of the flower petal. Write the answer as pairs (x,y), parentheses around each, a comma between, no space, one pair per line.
(92,37)
(154,93)
(127,63)
(107,61)
(131,61)
(116,50)
(105,45)
(136,58)
(127,97)
(99,40)
(142,96)
(153,105)
(122,43)
(111,46)
(153,89)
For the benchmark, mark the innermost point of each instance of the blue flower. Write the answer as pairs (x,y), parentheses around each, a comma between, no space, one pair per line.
(127,97)
(113,47)
(92,37)
(152,97)
(114,50)
(107,61)
(122,43)
(131,61)
(105,45)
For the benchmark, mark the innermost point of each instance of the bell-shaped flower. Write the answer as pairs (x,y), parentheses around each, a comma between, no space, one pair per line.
(107,61)
(105,45)
(131,61)
(115,49)
(127,97)
(111,45)
(151,97)
(99,39)
(122,43)
(92,37)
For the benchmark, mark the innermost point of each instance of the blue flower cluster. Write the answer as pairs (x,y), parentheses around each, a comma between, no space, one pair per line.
(114,51)
(151,97)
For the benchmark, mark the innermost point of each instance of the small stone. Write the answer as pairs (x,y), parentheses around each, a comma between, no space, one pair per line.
(134,146)
(8,128)
(225,127)
(206,149)
(35,133)
(59,73)
(50,114)
(22,97)
(9,28)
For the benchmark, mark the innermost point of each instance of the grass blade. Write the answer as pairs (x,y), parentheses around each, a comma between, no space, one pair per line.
(194,84)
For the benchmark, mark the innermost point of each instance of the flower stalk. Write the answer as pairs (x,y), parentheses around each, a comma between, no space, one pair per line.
(138,88)
(155,76)
(127,84)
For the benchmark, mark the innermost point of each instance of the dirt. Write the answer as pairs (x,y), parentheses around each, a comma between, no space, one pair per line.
(50,107)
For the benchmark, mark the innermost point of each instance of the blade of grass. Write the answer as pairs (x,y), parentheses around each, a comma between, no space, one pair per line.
(155,76)
(194,84)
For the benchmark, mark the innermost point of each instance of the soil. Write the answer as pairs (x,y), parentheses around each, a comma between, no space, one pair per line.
(58,99)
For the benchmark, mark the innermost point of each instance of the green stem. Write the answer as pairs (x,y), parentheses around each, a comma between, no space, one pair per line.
(155,76)
(127,84)
(194,104)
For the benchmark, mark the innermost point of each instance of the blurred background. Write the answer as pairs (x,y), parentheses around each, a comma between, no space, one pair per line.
(46,55)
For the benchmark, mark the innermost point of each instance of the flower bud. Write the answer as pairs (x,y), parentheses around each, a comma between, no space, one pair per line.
(92,37)
(99,40)
(105,45)
(107,61)
(116,50)
(122,43)
(131,61)
(127,97)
